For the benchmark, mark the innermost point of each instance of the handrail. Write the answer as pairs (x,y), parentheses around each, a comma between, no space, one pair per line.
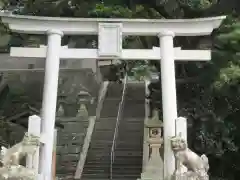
(119,116)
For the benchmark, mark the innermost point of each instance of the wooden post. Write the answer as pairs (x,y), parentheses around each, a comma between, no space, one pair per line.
(54,155)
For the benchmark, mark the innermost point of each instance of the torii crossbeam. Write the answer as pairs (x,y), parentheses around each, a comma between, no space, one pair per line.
(127,54)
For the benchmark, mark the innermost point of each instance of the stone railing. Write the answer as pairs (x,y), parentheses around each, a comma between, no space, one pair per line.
(88,137)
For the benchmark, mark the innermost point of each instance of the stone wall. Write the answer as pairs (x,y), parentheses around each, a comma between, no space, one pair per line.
(8,62)
(71,82)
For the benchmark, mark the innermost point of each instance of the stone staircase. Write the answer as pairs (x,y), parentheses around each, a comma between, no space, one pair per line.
(129,147)
(69,145)
(128,153)
(97,165)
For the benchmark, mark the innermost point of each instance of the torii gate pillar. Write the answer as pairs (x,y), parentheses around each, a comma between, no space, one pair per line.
(169,99)
(50,98)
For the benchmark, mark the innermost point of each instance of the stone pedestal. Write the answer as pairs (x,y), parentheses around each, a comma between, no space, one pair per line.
(154,167)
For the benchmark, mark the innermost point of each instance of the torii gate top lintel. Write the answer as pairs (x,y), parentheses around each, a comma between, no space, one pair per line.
(140,27)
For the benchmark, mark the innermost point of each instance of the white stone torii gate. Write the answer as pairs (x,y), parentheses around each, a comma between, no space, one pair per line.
(110,31)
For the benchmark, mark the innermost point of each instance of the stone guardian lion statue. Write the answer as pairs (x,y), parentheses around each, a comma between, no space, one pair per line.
(10,159)
(13,155)
(196,167)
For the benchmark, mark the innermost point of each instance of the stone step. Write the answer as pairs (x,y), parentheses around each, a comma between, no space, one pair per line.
(66,169)
(128,152)
(106,160)
(102,147)
(101,135)
(128,148)
(98,160)
(135,142)
(121,149)
(89,171)
(136,136)
(123,171)
(125,139)
(107,166)
(83,178)
(114,90)
(66,176)
(135,91)
(118,155)
(123,176)
(129,143)
(110,108)
(107,119)
(95,145)
(134,109)
(127,173)
(100,176)
(106,122)
(107,156)
(139,125)
(136,127)
(101,129)
(131,128)
(101,142)
(97,151)
(133,120)
(128,133)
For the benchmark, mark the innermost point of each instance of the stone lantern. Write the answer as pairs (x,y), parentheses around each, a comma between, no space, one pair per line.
(84,98)
(154,166)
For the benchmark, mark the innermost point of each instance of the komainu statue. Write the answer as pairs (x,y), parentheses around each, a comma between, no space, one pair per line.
(190,166)
(10,159)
